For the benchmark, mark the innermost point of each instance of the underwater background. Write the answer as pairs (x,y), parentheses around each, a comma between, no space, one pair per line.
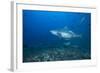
(40,44)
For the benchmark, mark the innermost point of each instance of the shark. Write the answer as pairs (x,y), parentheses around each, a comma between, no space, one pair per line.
(65,33)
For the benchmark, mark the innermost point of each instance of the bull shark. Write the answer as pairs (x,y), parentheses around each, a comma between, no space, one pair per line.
(65,33)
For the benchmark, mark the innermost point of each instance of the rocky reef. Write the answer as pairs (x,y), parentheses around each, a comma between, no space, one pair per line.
(56,54)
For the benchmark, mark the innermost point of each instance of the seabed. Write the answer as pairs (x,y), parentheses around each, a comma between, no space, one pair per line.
(56,54)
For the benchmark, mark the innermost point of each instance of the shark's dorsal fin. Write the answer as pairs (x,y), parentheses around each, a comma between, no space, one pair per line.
(64,29)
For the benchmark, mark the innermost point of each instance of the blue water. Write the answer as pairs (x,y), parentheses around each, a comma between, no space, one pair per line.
(40,45)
